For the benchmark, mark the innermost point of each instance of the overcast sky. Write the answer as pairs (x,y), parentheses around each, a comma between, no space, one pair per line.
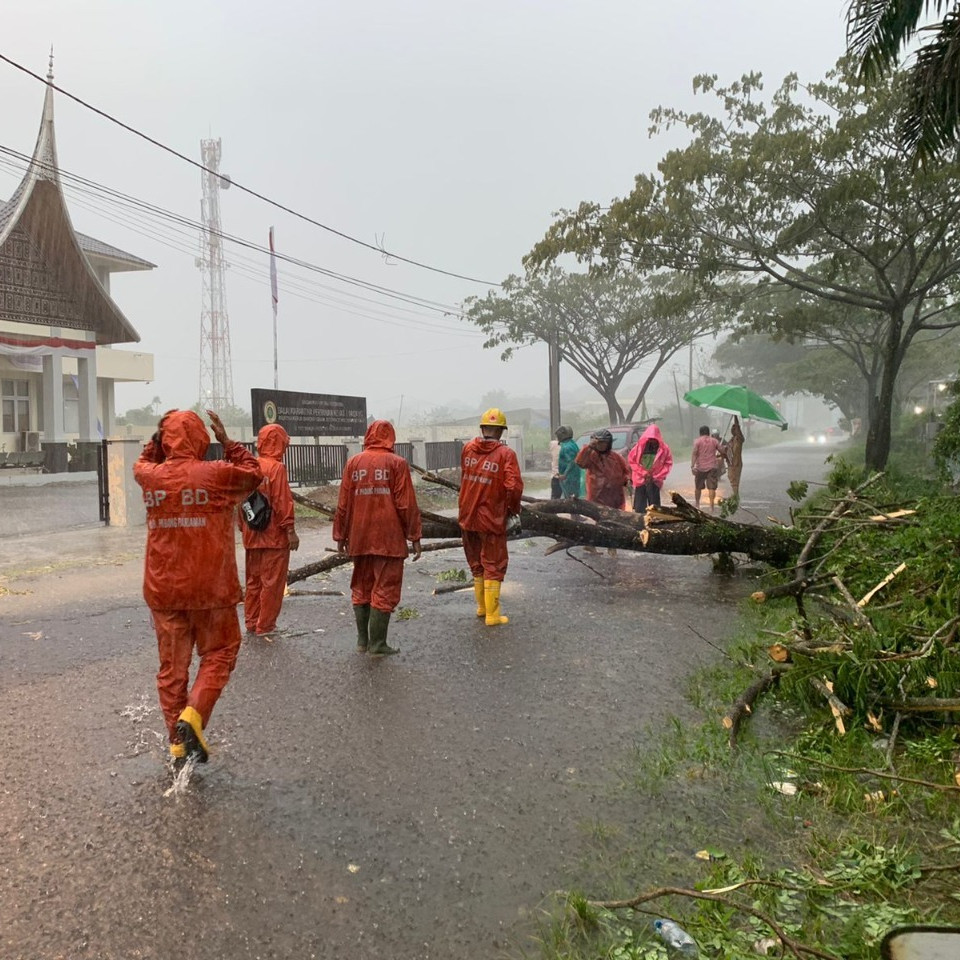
(449,130)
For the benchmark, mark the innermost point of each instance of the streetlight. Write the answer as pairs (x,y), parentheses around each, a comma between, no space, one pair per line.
(918,409)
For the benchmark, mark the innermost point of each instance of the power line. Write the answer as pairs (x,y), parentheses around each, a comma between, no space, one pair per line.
(159,231)
(92,187)
(240,186)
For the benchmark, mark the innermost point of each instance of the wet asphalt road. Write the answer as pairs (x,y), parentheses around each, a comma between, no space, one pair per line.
(422,806)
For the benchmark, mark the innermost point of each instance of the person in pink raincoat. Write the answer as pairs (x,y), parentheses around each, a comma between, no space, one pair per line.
(650,461)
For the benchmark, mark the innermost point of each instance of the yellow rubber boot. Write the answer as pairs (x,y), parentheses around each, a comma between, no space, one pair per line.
(190,730)
(478,592)
(491,595)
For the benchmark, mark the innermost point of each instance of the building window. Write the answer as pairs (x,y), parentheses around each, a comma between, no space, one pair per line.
(15,401)
(71,405)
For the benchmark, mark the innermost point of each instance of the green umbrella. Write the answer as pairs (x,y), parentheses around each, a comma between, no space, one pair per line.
(736,400)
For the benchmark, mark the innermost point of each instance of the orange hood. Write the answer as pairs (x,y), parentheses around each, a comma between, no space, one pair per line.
(380,435)
(184,436)
(272,441)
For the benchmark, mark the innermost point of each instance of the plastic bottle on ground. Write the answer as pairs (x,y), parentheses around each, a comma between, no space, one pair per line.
(679,942)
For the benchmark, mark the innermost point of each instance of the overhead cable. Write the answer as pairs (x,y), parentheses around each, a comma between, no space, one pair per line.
(240,186)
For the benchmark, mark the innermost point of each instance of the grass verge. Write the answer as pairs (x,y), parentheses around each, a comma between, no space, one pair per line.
(822,827)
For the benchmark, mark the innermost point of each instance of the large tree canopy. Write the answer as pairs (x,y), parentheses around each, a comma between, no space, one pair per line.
(811,192)
(603,325)
(878,33)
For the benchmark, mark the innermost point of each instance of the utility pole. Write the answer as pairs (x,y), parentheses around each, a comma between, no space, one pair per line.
(216,365)
(676,391)
(554,379)
(274,298)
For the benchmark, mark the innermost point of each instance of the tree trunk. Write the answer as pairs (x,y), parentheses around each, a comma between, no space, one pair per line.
(614,410)
(679,530)
(881,419)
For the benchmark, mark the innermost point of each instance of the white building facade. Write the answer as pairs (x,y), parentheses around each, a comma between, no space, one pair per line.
(58,323)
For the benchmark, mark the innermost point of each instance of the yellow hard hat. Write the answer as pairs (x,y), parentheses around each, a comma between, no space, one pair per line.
(494,417)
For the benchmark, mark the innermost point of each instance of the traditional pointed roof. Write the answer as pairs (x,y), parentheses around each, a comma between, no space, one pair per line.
(36,221)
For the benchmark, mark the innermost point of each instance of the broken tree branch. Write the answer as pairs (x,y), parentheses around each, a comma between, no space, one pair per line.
(743,705)
(841,508)
(837,707)
(866,598)
(858,615)
(797,948)
(790,589)
(880,774)
(338,560)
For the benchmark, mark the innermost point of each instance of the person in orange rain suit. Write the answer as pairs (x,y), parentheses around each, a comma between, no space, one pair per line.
(607,474)
(190,577)
(377,514)
(490,491)
(267,551)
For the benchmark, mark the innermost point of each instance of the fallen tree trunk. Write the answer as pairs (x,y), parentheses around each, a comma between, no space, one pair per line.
(678,530)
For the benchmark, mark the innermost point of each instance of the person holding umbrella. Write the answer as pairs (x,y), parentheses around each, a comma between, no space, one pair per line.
(735,455)
(738,401)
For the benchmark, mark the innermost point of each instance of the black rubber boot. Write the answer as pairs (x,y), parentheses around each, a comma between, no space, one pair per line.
(362,612)
(379,624)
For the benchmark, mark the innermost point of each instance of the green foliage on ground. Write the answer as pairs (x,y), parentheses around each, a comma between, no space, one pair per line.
(859,829)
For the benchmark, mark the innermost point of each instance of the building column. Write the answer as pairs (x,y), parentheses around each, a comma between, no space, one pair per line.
(108,418)
(52,398)
(87,388)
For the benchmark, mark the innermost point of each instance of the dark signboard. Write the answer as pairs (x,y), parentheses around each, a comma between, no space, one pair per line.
(310,414)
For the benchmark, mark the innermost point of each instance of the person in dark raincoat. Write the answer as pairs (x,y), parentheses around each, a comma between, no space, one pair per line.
(607,474)
(490,491)
(190,579)
(377,514)
(267,551)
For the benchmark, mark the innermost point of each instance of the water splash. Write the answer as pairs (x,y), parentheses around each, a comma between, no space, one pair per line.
(181,779)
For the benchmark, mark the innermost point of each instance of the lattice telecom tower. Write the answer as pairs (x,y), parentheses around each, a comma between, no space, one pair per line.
(216,366)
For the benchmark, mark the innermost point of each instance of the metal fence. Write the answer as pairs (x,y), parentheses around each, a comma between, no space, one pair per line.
(311,463)
(404,450)
(103,484)
(306,463)
(444,455)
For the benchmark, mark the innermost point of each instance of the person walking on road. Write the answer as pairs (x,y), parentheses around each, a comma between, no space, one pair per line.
(490,491)
(190,580)
(607,474)
(267,551)
(705,460)
(650,461)
(377,514)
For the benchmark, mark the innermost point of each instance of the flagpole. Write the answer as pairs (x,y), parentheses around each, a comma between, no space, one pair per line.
(273,297)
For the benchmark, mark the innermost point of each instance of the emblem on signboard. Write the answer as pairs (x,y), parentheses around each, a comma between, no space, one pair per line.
(270,411)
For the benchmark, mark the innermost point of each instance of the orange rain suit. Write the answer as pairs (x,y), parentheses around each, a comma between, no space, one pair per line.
(267,551)
(607,476)
(377,514)
(490,490)
(190,577)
